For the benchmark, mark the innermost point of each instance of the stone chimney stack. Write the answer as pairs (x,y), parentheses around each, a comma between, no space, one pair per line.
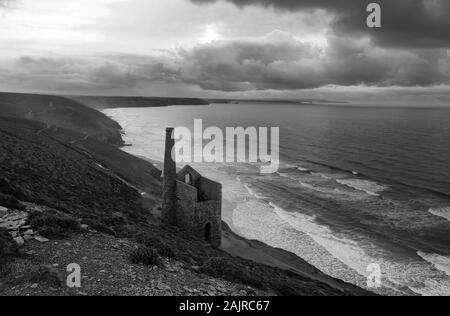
(170,181)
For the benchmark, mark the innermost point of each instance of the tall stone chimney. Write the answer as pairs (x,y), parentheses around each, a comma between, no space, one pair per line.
(170,183)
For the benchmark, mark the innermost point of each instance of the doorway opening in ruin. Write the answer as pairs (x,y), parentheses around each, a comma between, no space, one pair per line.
(208,236)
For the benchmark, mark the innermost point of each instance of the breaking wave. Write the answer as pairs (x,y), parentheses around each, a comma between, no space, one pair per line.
(443,212)
(442,263)
(369,187)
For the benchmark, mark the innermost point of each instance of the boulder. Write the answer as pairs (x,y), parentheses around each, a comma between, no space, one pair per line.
(41,239)
(3,211)
(19,241)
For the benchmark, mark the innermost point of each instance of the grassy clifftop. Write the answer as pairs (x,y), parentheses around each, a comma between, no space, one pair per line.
(61,112)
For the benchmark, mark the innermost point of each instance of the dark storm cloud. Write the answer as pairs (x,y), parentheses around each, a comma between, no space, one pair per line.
(278,61)
(283,63)
(405,23)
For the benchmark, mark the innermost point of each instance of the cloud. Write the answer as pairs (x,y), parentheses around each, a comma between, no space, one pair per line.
(102,74)
(278,61)
(5,3)
(405,23)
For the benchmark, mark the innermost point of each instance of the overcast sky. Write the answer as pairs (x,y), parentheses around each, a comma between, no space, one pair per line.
(228,48)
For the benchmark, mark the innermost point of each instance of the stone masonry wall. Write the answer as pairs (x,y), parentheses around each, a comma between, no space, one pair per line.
(186,205)
(209,212)
(209,190)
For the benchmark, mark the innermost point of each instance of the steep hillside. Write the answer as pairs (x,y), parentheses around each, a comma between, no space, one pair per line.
(45,171)
(134,170)
(62,112)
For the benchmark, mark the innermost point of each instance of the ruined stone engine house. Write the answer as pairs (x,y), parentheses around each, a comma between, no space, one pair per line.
(190,201)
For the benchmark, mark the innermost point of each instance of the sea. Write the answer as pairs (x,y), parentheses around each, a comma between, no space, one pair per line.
(357,185)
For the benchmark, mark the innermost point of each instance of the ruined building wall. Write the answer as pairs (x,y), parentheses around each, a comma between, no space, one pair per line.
(195,176)
(196,206)
(193,216)
(209,190)
(209,213)
(186,205)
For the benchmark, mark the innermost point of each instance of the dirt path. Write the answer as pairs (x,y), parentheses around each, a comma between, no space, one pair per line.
(79,140)
(44,129)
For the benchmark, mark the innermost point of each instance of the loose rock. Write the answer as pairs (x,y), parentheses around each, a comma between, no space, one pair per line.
(41,239)
(19,240)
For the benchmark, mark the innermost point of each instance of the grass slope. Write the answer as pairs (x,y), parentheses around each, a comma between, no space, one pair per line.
(45,171)
(61,112)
